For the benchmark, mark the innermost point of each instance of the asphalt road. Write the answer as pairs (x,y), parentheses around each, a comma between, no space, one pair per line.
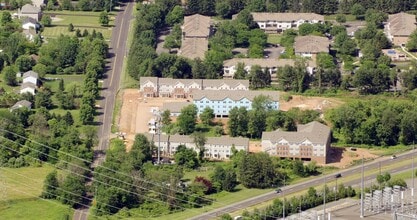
(117,52)
(380,163)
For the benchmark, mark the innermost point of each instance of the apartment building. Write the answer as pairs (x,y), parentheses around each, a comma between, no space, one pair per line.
(311,142)
(222,103)
(219,148)
(279,22)
(182,88)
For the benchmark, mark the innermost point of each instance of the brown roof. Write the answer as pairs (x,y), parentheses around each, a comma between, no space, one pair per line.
(194,47)
(269,63)
(264,16)
(315,132)
(311,44)
(204,82)
(401,24)
(196,26)
(27,85)
(233,94)
(30,73)
(30,9)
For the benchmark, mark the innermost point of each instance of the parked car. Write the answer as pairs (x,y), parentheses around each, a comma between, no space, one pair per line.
(278,190)
(393,156)
(338,175)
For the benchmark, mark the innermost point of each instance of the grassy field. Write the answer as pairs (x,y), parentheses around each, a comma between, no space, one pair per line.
(80,20)
(274,38)
(24,185)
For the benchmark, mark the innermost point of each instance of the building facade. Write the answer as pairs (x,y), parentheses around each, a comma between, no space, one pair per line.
(219,148)
(183,88)
(222,103)
(279,22)
(311,142)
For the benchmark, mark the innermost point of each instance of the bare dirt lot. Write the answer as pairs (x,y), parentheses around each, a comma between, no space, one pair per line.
(137,111)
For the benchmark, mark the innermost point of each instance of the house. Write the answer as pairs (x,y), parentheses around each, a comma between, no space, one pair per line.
(223,102)
(399,27)
(30,23)
(182,88)
(28,87)
(31,77)
(310,46)
(279,22)
(30,34)
(31,11)
(174,107)
(195,33)
(272,65)
(214,148)
(21,104)
(311,142)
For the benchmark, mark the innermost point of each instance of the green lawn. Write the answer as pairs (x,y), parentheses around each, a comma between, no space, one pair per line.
(274,38)
(333,18)
(23,186)
(388,151)
(35,209)
(80,20)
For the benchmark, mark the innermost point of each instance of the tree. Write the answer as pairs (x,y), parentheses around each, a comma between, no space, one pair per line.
(358,10)
(166,118)
(43,98)
(46,20)
(238,121)
(257,171)
(24,63)
(224,179)
(259,78)
(412,41)
(6,18)
(186,157)
(223,8)
(50,186)
(340,18)
(72,190)
(187,119)
(9,76)
(207,116)
(86,113)
(175,16)
(104,18)
(141,145)
(240,71)
(71,28)
(200,140)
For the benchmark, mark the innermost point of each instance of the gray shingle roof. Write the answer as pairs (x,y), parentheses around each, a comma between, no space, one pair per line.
(233,94)
(193,48)
(311,44)
(174,107)
(29,20)
(30,9)
(401,24)
(314,131)
(27,85)
(196,26)
(31,74)
(200,82)
(286,17)
(21,103)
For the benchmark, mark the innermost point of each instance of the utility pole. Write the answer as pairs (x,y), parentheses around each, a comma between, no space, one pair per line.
(362,215)
(283,201)
(412,177)
(159,138)
(324,198)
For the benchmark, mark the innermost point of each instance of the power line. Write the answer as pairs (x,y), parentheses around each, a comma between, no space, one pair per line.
(140,195)
(59,188)
(31,194)
(118,172)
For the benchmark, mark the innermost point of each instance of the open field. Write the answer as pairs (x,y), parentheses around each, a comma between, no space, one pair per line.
(274,38)
(80,20)
(23,186)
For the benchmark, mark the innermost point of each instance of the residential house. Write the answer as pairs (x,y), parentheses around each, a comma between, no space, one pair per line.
(223,102)
(174,107)
(195,33)
(21,104)
(311,142)
(272,65)
(214,148)
(28,87)
(399,27)
(31,11)
(30,34)
(182,88)
(30,23)
(279,22)
(310,46)
(31,77)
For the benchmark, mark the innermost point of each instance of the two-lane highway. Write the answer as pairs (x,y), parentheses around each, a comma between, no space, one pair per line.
(380,163)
